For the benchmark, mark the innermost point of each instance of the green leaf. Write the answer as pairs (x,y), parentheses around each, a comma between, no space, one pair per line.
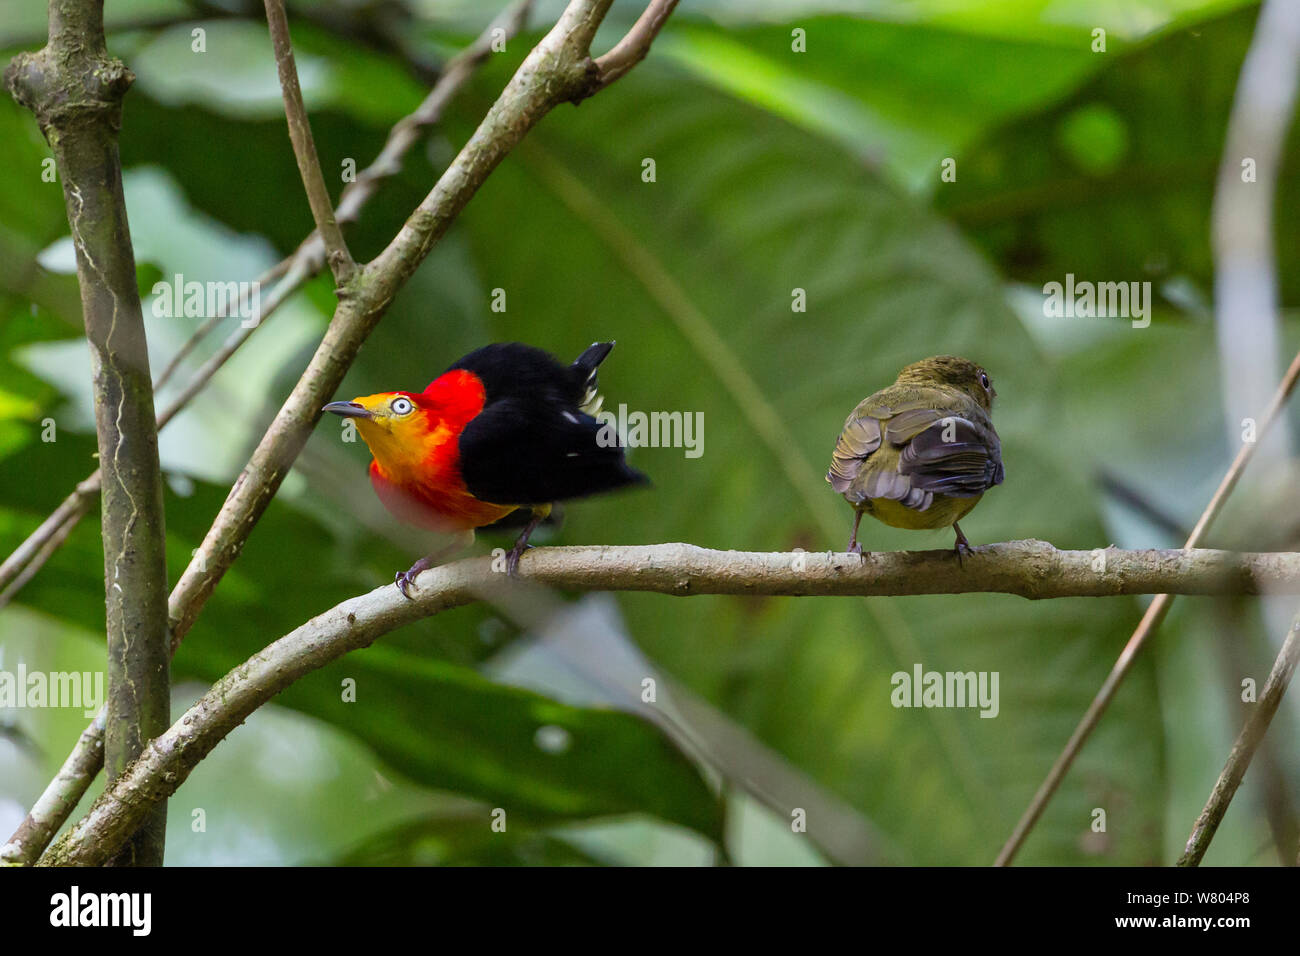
(1116,181)
(927,92)
(466,840)
(234,72)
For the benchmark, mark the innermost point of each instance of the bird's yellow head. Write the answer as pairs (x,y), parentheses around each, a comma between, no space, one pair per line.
(402,429)
(954,372)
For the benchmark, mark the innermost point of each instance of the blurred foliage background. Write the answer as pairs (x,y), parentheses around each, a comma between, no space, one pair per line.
(775,170)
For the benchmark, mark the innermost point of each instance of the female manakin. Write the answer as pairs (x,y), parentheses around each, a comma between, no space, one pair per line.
(922,452)
(506,427)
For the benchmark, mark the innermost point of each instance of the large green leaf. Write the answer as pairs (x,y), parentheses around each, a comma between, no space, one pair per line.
(923,93)
(1116,181)
(443,725)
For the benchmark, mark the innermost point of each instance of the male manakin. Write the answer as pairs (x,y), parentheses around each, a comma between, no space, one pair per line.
(505,428)
(922,452)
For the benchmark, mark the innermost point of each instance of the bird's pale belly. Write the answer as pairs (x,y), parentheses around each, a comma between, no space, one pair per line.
(943,511)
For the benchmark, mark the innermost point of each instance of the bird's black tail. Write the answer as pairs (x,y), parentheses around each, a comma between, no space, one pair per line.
(584,374)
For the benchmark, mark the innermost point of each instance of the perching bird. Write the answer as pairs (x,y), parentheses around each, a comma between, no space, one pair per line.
(922,452)
(506,427)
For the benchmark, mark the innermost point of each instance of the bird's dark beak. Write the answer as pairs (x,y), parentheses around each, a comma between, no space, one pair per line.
(348,410)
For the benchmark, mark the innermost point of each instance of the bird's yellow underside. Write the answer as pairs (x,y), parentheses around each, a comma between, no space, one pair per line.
(943,511)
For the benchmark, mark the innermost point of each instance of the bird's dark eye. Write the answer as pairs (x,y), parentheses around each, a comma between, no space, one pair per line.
(984,379)
(401,406)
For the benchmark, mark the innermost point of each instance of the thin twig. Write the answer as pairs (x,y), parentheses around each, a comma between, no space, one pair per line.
(1151,620)
(1244,749)
(407,130)
(1026,567)
(32,550)
(50,545)
(634,46)
(60,798)
(304,148)
(212,321)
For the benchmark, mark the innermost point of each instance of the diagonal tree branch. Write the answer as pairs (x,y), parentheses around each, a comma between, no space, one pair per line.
(1150,623)
(557,70)
(1246,303)
(1248,741)
(1030,568)
(304,148)
(28,558)
(76,89)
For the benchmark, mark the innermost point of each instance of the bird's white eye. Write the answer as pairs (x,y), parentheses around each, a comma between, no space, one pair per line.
(401,406)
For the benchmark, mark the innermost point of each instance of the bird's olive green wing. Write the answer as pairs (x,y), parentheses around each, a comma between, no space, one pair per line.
(910,444)
(861,436)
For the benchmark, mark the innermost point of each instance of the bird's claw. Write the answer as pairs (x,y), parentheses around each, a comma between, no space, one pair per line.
(961,549)
(856,548)
(403,581)
(512,559)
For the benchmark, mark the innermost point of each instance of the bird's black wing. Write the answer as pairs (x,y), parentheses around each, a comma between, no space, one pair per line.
(521,452)
(509,369)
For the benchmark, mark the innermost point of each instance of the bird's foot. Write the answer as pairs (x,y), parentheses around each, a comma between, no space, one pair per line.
(406,578)
(512,559)
(962,547)
(854,547)
(522,545)
(403,581)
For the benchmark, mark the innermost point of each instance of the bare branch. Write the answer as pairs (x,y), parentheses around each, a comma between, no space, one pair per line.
(1150,623)
(407,130)
(212,321)
(33,551)
(304,148)
(634,46)
(1244,749)
(60,798)
(1030,568)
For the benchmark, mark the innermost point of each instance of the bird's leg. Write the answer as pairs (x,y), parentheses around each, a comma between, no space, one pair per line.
(962,546)
(406,578)
(521,545)
(854,547)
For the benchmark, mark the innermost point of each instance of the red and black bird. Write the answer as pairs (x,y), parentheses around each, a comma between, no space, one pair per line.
(505,428)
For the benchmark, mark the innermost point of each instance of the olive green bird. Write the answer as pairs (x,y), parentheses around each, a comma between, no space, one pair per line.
(922,452)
